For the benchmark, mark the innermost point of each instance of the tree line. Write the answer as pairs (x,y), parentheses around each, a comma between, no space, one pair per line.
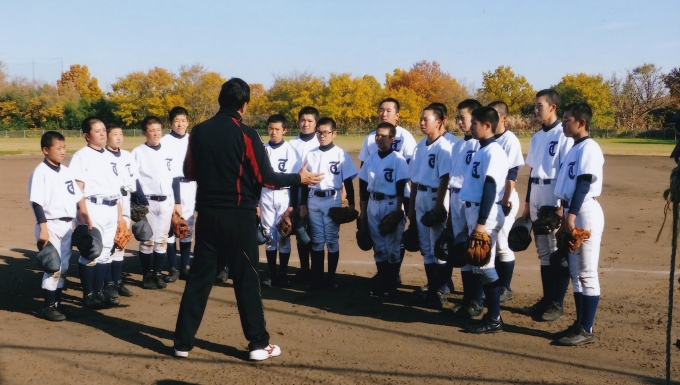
(636,99)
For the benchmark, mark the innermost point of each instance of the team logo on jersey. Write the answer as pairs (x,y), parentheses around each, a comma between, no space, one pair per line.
(282,165)
(468,157)
(571,170)
(551,149)
(388,174)
(169,162)
(334,168)
(430,160)
(69,187)
(129,170)
(115,168)
(395,144)
(475,173)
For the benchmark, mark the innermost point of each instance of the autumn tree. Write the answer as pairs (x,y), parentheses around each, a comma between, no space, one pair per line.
(672,81)
(351,102)
(638,95)
(591,89)
(199,88)
(3,74)
(77,80)
(504,85)
(290,93)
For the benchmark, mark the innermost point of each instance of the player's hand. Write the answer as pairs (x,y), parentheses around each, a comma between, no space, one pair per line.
(570,223)
(560,211)
(362,216)
(526,214)
(178,209)
(44,237)
(257,210)
(440,210)
(309,178)
(303,211)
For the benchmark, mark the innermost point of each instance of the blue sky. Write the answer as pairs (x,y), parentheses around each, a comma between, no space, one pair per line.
(258,40)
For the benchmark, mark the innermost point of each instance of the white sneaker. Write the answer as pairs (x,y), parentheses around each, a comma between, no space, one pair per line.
(263,354)
(181,354)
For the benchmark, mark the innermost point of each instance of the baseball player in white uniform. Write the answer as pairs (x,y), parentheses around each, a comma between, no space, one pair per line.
(184,191)
(547,151)
(155,178)
(381,188)
(92,170)
(429,175)
(579,182)
(505,258)
(338,169)
(445,132)
(54,197)
(274,203)
(482,191)
(303,143)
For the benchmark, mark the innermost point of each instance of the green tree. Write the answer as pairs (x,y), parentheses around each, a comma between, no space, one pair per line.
(504,85)
(591,89)
(639,97)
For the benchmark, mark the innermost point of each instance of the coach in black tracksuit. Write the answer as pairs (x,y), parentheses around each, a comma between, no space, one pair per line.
(229,164)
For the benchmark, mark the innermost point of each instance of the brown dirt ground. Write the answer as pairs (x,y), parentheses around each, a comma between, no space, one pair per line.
(347,336)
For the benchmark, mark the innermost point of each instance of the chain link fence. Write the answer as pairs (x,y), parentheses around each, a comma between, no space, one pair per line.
(66,133)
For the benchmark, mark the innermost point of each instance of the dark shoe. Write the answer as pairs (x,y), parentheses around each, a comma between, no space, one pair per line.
(110,295)
(302,276)
(222,276)
(470,311)
(565,332)
(103,299)
(506,294)
(51,313)
(122,289)
(536,309)
(577,336)
(488,325)
(184,274)
(173,276)
(148,282)
(435,300)
(160,283)
(554,312)
(267,282)
(91,301)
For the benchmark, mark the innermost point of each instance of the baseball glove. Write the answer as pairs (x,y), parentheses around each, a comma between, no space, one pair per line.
(343,214)
(390,222)
(285,226)
(573,240)
(179,226)
(478,248)
(122,236)
(137,212)
(548,220)
(431,218)
(363,235)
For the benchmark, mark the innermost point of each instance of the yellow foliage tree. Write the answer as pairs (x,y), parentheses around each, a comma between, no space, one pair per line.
(591,89)
(77,80)
(289,94)
(199,89)
(504,85)
(351,102)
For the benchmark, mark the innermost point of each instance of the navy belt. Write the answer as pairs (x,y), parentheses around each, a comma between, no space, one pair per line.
(426,188)
(324,193)
(540,181)
(63,219)
(470,204)
(158,198)
(184,180)
(381,196)
(105,202)
(454,190)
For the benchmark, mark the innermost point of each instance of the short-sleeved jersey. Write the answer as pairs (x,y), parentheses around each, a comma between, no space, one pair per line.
(55,189)
(382,174)
(513,149)
(547,151)
(303,147)
(489,160)
(155,169)
(334,163)
(461,156)
(430,162)
(584,158)
(451,138)
(404,143)
(125,168)
(93,168)
(177,146)
(283,157)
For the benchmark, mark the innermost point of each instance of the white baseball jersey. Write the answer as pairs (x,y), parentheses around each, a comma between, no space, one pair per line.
(547,151)
(451,138)
(584,158)
(513,149)
(283,157)
(461,155)
(93,168)
(177,146)
(155,169)
(124,167)
(489,160)
(55,189)
(334,163)
(404,143)
(382,174)
(303,147)
(430,162)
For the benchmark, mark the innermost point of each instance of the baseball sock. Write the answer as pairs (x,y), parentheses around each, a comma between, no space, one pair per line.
(108,278)
(145,262)
(546,281)
(578,302)
(561,277)
(476,289)
(303,253)
(58,295)
(158,262)
(317,265)
(50,297)
(381,278)
(589,307)
(402,252)
(86,278)
(172,255)
(271,261)
(333,259)
(392,274)
(442,278)
(116,271)
(283,262)
(185,252)
(505,271)
(493,298)
(99,275)
(430,274)
(466,276)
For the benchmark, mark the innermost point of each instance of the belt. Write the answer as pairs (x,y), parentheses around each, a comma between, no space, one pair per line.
(102,201)
(454,190)
(541,181)
(159,198)
(277,189)
(63,219)
(381,196)
(324,193)
(184,180)
(123,192)
(470,204)
(426,188)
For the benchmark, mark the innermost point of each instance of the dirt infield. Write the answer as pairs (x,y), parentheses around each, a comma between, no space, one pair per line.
(347,337)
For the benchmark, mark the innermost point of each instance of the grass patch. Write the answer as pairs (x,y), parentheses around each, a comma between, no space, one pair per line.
(11,152)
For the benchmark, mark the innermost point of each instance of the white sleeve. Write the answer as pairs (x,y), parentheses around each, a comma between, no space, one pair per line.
(297,162)
(591,161)
(514,153)
(443,160)
(363,171)
(564,149)
(78,167)
(402,171)
(409,147)
(363,154)
(348,168)
(36,188)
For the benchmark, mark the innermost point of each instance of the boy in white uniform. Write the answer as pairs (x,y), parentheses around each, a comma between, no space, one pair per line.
(429,177)
(505,258)
(578,184)
(546,155)
(92,170)
(381,188)
(482,190)
(274,203)
(155,178)
(55,199)
(339,170)
(184,191)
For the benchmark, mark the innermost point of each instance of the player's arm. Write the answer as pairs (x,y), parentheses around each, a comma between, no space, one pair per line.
(83,214)
(510,181)
(412,206)
(526,214)
(177,193)
(304,196)
(188,168)
(580,191)
(42,223)
(120,211)
(349,188)
(139,196)
(363,199)
(442,190)
(400,185)
(488,200)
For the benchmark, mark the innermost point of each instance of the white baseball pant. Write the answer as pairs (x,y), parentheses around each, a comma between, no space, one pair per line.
(385,248)
(187,192)
(492,226)
(427,236)
(159,219)
(502,247)
(583,262)
(324,229)
(273,204)
(543,195)
(105,219)
(60,236)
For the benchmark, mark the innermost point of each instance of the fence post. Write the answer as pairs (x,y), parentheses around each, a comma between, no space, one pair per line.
(24,134)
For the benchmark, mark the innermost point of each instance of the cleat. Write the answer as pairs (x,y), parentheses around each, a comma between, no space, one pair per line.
(122,289)
(110,295)
(577,336)
(91,301)
(51,313)
(487,325)
(506,294)
(148,282)
(554,312)
(181,354)
(263,354)
(184,273)
(173,276)
(223,275)
(160,283)
(536,309)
